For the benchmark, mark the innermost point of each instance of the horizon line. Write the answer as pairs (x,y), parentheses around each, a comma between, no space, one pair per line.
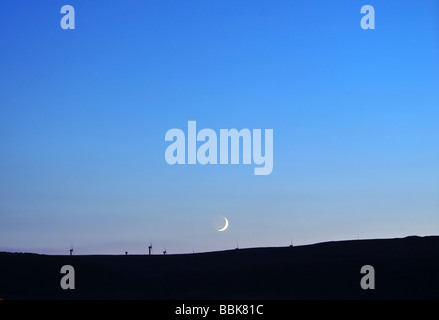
(217,251)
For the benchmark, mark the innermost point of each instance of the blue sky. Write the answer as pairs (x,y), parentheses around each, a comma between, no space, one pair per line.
(84,112)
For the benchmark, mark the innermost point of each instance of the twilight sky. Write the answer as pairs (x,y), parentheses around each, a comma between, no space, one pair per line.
(84,113)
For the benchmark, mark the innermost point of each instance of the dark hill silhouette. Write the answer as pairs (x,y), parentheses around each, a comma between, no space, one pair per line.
(406,268)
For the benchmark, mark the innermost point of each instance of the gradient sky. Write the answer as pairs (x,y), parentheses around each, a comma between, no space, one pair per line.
(84,112)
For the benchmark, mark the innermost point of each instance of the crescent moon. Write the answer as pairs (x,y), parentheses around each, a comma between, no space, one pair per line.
(225,226)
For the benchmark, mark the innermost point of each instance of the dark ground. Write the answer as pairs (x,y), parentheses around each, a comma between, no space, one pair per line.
(405,268)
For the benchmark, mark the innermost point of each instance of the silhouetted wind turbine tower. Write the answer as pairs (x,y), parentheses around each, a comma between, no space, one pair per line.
(150,248)
(71,250)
